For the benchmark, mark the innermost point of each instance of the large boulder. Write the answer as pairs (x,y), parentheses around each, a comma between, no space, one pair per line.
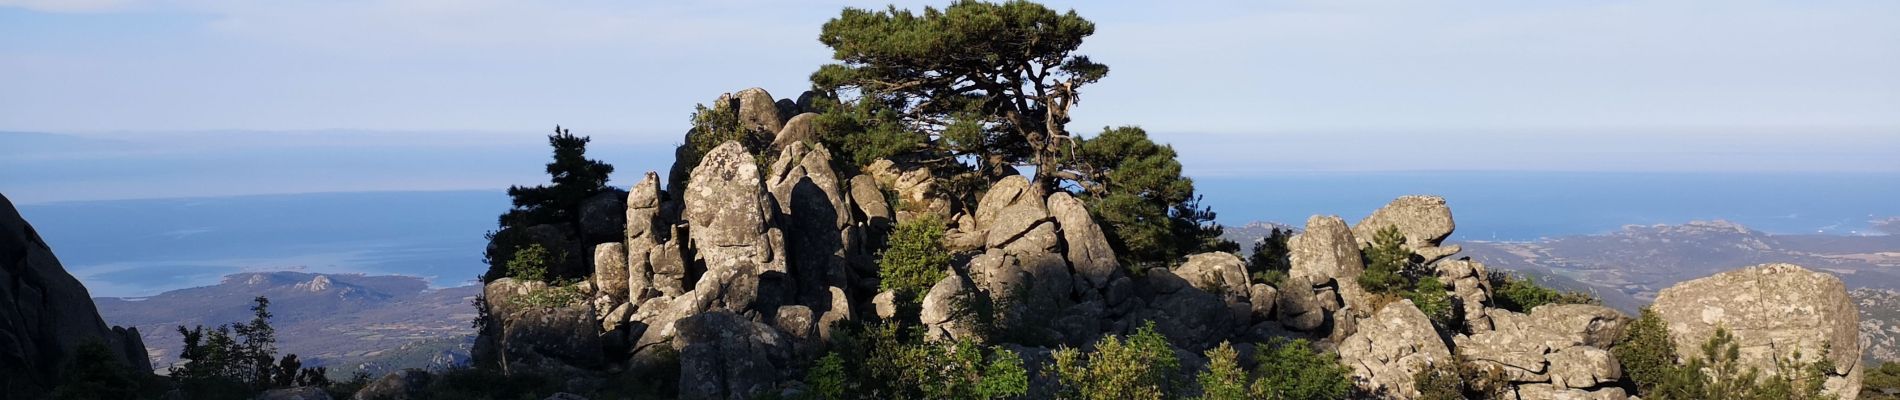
(813,202)
(1470,284)
(1009,191)
(730,216)
(1391,348)
(1220,273)
(1325,252)
(758,112)
(399,385)
(1088,249)
(603,216)
(801,128)
(725,356)
(1773,310)
(1190,318)
(645,233)
(1424,220)
(610,275)
(949,309)
(915,186)
(47,314)
(1299,307)
(524,330)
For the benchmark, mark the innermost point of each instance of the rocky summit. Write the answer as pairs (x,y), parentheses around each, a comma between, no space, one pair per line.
(46,316)
(738,274)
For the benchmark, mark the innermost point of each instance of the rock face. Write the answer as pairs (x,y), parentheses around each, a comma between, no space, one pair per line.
(46,314)
(1424,220)
(724,356)
(1773,310)
(406,384)
(1556,350)
(731,217)
(1390,349)
(522,332)
(1088,245)
(1325,252)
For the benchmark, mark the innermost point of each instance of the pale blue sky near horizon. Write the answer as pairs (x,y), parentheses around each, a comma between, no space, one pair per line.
(281,94)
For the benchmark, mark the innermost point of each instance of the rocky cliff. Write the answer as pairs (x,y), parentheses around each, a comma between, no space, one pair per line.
(737,272)
(45,314)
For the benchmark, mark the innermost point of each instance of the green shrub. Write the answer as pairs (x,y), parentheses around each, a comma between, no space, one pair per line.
(1141,367)
(1431,297)
(1881,383)
(1223,379)
(1295,370)
(1646,354)
(827,379)
(1386,262)
(1270,260)
(1461,379)
(883,361)
(530,263)
(554,296)
(1520,294)
(1715,372)
(916,258)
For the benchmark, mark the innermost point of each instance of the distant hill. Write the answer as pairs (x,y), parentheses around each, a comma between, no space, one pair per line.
(344,321)
(1642,260)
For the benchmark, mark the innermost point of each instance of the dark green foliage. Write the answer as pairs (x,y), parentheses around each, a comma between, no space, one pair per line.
(1431,297)
(1391,271)
(236,361)
(95,374)
(1520,294)
(1223,379)
(1646,354)
(530,263)
(1148,210)
(916,258)
(713,127)
(1270,259)
(1715,372)
(826,380)
(995,80)
(1461,379)
(1387,260)
(883,361)
(1141,367)
(1295,370)
(573,179)
(1881,383)
(858,133)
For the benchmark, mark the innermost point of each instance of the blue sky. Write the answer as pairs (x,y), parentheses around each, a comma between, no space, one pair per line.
(1239,87)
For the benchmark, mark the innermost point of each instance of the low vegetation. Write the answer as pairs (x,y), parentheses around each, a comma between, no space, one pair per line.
(1271,258)
(916,258)
(884,361)
(1521,294)
(1139,367)
(1649,359)
(1881,382)
(1392,274)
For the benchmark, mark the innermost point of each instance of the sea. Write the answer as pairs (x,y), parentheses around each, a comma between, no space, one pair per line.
(140,247)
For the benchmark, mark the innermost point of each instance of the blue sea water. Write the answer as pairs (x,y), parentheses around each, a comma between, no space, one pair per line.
(1531,205)
(142,247)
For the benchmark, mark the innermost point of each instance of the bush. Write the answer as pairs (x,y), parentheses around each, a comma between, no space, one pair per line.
(1646,354)
(882,361)
(530,263)
(1386,262)
(1463,380)
(554,296)
(1294,370)
(916,258)
(826,379)
(1141,367)
(1431,297)
(1520,294)
(1270,260)
(1223,379)
(1716,372)
(1881,383)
